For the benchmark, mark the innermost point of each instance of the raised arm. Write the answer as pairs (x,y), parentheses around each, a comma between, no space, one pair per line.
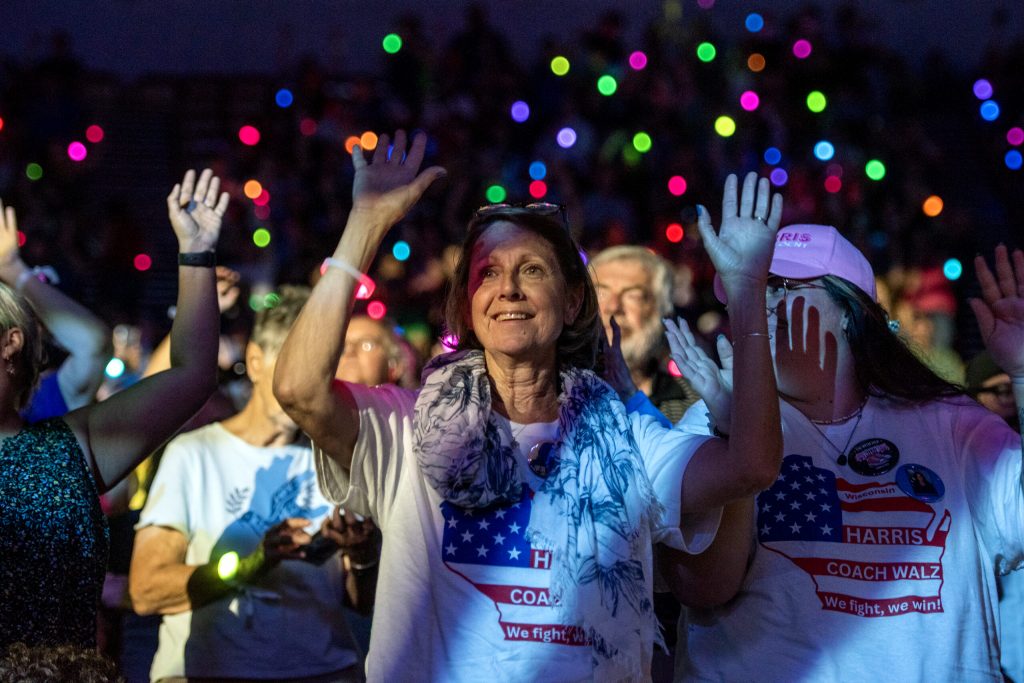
(1000,314)
(383,191)
(85,337)
(118,433)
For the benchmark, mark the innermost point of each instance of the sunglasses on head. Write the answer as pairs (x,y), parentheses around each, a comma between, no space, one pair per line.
(547,209)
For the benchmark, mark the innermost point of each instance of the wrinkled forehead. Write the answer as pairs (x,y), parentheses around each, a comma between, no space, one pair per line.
(507,239)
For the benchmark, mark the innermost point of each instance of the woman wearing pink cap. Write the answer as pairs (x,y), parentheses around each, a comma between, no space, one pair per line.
(872,555)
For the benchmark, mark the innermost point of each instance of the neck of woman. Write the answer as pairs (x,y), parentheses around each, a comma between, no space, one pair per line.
(823,401)
(524,392)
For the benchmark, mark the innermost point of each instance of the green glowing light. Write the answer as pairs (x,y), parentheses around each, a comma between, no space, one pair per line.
(607,85)
(642,142)
(875,169)
(227,566)
(816,101)
(706,52)
(261,237)
(496,194)
(392,43)
(34,171)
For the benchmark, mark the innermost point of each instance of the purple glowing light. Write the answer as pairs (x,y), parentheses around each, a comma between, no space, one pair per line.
(1015,136)
(566,138)
(778,177)
(982,89)
(802,49)
(520,111)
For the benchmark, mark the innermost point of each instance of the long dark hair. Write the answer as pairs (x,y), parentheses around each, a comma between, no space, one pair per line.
(578,343)
(884,363)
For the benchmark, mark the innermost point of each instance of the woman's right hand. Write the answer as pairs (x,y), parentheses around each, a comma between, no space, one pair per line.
(196,210)
(387,187)
(711,382)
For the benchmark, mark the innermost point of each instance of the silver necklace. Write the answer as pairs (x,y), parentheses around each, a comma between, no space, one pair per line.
(841,460)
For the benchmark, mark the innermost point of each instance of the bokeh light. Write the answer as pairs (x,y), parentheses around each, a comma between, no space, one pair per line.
(560,66)
(824,150)
(261,237)
(706,52)
(816,101)
(538,170)
(802,49)
(94,134)
(392,43)
(1,123)
(142,262)
(982,89)
(875,169)
(607,85)
(495,194)
(674,232)
(725,126)
(779,177)
(22,238)
(249,135)
(114,369)
(566,138)
(77,151)
(1015,136)
(34,171)
(350,143)
(227,565)
(284,98)
(673,369)
(952,269)
(401,250)
(749,100)
(252,189)
(376,310)
(834,169)
(989,110)
(262,199)
(637,61)
(772,156)
(677,185)
(538,188)
(520,111)
(642,142)
(368,140)
(261,212)
(754,22)
(307,126)
(1013,160)
(932,206)
(833,184)
(755,62)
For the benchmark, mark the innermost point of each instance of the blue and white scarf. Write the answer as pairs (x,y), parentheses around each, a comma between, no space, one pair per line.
(598,491)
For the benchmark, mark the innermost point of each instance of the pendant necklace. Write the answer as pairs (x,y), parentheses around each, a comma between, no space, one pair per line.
(841,460)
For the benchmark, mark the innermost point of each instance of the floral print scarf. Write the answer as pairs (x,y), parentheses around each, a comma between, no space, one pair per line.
(597,490)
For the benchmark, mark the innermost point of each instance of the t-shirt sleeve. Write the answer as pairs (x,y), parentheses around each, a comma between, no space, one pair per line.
(369,486)
(167,503)
(666,454)
(46,402)
(990,455)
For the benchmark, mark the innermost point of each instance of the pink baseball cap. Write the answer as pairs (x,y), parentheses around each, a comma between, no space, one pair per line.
(807,251)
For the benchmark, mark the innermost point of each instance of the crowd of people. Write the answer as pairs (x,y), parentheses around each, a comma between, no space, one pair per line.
(574,449)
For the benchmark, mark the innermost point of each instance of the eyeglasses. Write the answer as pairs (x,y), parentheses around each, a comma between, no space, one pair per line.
(1002,390)
(779,287)
(491,211)
(360,346)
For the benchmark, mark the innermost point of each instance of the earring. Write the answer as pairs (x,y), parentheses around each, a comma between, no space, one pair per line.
(10,365)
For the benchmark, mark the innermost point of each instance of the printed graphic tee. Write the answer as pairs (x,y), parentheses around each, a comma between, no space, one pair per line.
(462,594)
(882,568)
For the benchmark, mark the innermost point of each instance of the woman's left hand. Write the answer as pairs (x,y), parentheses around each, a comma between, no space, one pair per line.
(616,371)
(1000,311)
(196,210)
(742,249)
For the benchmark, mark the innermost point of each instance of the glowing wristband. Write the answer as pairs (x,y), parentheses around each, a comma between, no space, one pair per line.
(366,284)
(41,273)
(227,567)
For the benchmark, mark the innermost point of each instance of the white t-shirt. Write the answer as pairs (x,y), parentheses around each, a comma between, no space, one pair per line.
(879,569)
(223,494)
(462,595)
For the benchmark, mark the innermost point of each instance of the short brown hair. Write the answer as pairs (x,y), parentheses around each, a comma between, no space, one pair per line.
(578,343)
(273,323)
(16,312)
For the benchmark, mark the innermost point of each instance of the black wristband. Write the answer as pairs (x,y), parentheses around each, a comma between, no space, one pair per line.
(201,259)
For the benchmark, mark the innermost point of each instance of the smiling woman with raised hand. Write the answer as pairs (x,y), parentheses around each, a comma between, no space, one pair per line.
(53,534)
(517,512)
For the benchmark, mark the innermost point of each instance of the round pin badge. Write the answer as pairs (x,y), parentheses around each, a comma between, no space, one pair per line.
(543,458)
(917,481)
(872,457)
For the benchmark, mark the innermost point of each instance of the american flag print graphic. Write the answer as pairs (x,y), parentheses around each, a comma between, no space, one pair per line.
(488,547)
(870,549)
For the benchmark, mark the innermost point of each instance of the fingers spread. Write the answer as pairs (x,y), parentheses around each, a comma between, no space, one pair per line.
(764,194)
(210,199)
(775,216)
(222,205)
(989,288)
(983,314)
(358,157)
(11,222)
(1004,272)
(202,186)
(398,149)
(427,178)
(188,184)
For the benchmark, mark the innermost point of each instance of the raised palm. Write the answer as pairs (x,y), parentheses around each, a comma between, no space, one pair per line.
(712,382)
(9,253)
(196,210)
(742,248)
(1000,311)
(389,184)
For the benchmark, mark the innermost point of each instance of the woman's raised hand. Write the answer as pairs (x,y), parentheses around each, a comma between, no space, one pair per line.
(1000,310)
(387,186)
(713,383)
(196,210)
(742,248)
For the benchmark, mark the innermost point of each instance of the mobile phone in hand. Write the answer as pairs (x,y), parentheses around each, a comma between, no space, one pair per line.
(319,550)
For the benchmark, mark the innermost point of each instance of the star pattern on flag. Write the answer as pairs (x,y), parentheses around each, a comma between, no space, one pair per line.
(491,536)
(805,501)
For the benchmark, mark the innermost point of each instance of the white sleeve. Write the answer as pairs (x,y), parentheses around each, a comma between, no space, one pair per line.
(990,456)
(167,501)
(666,454)
(370,486)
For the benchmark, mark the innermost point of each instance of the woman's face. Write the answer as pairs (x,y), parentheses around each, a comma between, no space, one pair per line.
(518,298)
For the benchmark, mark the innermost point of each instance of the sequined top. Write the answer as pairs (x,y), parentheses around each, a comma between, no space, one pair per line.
(53,539)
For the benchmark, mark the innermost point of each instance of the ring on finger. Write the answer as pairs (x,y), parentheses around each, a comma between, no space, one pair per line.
(761,218)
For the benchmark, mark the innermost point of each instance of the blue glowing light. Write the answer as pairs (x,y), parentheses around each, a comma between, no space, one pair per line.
(754,22)
(824,150)
(284,98)
(989,110)
(538,170)
(772,156)
(1013,160)
(401,250)
(115,368)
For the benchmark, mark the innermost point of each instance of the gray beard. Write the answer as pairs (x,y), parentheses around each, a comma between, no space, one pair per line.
(642,346)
